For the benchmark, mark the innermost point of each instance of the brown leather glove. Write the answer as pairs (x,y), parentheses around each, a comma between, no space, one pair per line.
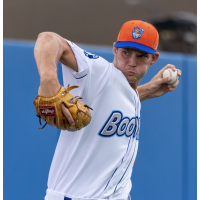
(49,109)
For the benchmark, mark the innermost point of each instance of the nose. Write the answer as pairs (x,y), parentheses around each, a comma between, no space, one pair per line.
(132,60)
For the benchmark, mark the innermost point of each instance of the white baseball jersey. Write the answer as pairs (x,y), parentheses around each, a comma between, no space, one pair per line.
(96,162)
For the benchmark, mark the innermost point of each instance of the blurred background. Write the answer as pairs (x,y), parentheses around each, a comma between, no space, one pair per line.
(166,165)
(98,22)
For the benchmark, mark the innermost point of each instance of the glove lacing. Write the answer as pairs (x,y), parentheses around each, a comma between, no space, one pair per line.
(40,121)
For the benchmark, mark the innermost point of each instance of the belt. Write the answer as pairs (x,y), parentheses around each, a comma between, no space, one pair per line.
(54,195)
(67,198)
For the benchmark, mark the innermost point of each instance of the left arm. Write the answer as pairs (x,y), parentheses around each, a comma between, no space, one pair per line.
(158,85)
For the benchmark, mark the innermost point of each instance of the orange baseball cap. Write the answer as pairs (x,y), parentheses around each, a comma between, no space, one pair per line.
(138,34)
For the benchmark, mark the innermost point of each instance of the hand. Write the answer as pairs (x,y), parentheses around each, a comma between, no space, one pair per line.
(158,85)
(50,87)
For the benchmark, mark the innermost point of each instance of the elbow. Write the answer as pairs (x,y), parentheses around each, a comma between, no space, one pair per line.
(45,36)
(47,40)
(49,43)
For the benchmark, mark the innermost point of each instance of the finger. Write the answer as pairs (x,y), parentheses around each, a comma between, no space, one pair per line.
(160,73)
(179,72)
(173,86)
(168,66)
(172,67)
(67,114)
(162,81)
(171,89)
(165,80)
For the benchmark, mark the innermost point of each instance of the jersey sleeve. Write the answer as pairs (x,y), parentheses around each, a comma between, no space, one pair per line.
(92,76)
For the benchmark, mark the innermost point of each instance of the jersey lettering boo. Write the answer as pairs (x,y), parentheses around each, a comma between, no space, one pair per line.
(119,125)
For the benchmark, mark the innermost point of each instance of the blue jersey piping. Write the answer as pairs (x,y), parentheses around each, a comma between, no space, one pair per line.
(80,77)
(118,166)
(126,170)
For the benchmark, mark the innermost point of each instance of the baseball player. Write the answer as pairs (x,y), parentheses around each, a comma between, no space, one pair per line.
(96,162)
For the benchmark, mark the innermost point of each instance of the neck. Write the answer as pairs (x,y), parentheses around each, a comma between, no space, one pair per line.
(133,86)
(114,63)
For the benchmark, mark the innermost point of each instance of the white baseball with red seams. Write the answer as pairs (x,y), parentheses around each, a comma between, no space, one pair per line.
(96,162)
(169,72)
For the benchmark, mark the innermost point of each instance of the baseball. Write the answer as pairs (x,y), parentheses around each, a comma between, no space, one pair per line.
(169,72)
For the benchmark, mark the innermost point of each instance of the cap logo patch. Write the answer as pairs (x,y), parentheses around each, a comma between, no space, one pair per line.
(137,32)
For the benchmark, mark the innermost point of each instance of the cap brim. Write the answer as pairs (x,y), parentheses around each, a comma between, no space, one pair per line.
(135,45)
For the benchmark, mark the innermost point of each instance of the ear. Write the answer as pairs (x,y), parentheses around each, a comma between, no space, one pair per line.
(155,57)
(114,49)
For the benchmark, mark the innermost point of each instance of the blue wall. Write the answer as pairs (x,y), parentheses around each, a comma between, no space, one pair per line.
(166,166)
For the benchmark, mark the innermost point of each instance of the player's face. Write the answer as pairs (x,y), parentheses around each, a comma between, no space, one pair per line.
(133,63)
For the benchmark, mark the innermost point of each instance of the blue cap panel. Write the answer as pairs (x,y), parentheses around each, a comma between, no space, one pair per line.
(135,45)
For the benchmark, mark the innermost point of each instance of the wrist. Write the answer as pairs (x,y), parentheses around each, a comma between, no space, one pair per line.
(49,81)
(144,92)
(48,76)
(49,85)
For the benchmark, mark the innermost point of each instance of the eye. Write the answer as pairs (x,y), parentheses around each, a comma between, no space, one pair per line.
(142,56)
(126,53)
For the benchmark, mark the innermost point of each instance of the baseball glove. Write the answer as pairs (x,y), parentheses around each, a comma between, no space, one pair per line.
(49,109)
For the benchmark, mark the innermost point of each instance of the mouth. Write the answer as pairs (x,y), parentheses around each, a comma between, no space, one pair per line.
(130,73)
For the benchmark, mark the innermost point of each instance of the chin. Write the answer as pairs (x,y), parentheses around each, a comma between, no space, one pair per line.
(131,80)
